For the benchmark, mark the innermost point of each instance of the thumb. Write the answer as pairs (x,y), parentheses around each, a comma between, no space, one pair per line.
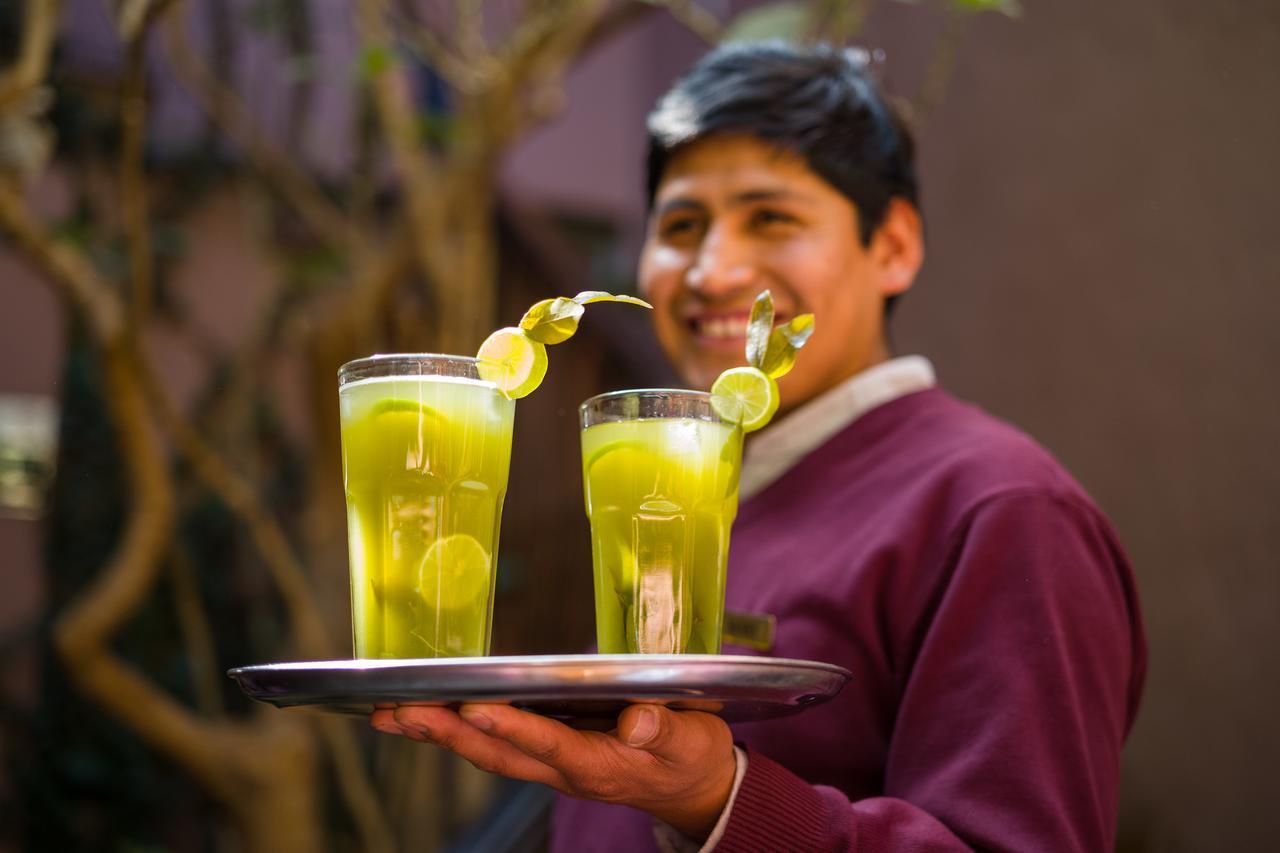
(671,734)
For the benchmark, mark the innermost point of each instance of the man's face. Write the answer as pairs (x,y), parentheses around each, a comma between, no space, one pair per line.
(734,216)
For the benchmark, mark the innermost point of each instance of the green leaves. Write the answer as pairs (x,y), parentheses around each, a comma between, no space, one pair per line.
(554,321)
(372,61)
(758,328)
(586,297)
(786,20)
(771,350)
(1009,8)
(784,342)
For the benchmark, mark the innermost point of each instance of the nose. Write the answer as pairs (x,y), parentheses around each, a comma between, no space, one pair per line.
(723,266)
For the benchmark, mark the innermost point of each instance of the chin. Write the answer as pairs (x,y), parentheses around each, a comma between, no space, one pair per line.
(795,394)
(701,375)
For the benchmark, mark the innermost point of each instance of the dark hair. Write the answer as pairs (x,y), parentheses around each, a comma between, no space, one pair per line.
(817,102)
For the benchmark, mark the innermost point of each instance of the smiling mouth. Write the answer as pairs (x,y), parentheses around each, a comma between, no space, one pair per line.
(722,328)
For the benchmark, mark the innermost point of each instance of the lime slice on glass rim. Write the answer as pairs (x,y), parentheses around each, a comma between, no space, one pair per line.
(513,361)
(515,358)
(747,396)
(454,573)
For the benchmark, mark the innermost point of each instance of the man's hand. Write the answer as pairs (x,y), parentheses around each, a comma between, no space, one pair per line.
(676,765)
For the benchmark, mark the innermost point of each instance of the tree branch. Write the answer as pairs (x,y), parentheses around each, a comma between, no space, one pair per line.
(321,215)
(353,780)
(466,75)
(535,59)
(270,541)
(64,267)
(941,65)
(469,26)
(695,17)
(197,635)
(133,185)
(39,26)
(82,631)
(839,20)
(419,176)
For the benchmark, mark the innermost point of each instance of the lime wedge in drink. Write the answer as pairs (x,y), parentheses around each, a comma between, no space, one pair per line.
(623,460)
(454,574)
(622,474)
(746,396)
(398,405)
(396,435)
(513,361)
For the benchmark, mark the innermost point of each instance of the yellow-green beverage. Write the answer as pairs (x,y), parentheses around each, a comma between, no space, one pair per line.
(660,473)
(426,447)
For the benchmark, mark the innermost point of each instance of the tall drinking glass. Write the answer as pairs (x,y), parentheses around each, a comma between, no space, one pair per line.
(426,447)
(660,473)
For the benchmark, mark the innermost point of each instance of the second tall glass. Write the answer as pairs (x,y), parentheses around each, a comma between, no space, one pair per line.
(660,474)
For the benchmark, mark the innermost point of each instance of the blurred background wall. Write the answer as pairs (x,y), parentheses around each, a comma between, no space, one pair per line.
(1100,192)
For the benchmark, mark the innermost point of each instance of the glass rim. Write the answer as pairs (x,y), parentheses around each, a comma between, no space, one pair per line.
(390,358)
(629,392)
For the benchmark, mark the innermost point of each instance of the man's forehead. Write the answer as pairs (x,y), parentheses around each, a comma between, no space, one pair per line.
(739,168)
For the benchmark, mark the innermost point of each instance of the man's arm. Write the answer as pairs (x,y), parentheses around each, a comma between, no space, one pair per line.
(1016,698)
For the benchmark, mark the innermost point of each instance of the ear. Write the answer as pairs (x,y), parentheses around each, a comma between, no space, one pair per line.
(897,247)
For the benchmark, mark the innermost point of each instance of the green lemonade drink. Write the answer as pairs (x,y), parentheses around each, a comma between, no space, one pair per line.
(660,474)
(426,447)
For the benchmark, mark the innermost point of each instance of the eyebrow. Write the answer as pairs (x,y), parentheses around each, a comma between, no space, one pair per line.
(736,200)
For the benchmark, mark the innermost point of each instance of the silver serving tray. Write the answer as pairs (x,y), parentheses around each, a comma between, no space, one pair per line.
(583,687)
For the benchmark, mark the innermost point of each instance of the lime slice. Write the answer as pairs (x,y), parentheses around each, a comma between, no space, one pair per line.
(513,361)
(625,459)
(420,411)
(623,473)
(454,574)
(746,396)
(395,435)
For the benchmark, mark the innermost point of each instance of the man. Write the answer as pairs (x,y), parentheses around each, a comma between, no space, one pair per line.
(976,593)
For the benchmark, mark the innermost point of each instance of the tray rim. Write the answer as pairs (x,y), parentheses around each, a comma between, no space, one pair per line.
(585,686)
(534,662)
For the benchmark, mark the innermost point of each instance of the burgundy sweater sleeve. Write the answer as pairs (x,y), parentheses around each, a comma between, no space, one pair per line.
(1019,683)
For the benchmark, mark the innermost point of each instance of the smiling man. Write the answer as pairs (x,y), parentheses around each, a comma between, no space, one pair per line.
(979,597)
(734,215)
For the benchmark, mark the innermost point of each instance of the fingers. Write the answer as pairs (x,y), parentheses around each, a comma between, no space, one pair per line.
(538,737)
(591,764)
(675,736)
(384,720)
(444,728)
(695,751)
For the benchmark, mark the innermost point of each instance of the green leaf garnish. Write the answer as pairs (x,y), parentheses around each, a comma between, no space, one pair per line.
(758,329)
(552,321)
(586,297)
(784,341)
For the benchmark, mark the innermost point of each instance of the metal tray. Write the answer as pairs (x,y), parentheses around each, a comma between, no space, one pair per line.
(561,686)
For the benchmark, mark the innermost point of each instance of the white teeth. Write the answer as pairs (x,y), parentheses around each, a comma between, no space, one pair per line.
(722,327)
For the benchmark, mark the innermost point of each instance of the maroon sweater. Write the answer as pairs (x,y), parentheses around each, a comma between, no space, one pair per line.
(990,620)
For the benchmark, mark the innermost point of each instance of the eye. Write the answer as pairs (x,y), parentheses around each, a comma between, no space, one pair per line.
(680,227)
(771,218)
